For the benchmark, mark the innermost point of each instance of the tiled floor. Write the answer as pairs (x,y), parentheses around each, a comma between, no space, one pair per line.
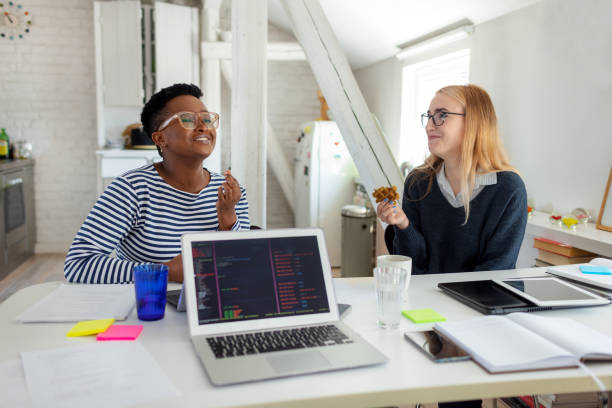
(38,269)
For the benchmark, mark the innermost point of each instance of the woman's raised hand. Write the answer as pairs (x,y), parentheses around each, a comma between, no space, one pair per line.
(229,194)
(392,214)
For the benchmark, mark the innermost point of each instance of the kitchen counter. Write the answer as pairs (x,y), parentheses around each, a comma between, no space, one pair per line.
(15,164)
(114,162)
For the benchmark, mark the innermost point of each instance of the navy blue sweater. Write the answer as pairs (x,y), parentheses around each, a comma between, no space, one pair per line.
(437,240)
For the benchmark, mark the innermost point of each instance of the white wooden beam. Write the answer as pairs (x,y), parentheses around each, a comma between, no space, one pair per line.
(279,163)
(249,102)
(371,154)
(277,51)
(211,76)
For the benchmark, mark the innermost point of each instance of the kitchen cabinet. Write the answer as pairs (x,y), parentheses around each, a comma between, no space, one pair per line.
(114,162)
(17,214)
(139,49)
(119,50)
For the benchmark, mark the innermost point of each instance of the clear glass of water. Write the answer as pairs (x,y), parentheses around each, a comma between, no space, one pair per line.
(389,282)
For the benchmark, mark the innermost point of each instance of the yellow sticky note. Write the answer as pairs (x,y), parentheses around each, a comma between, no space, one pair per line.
(88,327)
(423,315)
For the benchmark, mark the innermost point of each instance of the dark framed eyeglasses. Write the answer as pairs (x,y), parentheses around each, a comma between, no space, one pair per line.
(189,120)
(438,118)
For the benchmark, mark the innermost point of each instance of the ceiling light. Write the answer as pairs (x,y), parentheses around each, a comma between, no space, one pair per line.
(450,36)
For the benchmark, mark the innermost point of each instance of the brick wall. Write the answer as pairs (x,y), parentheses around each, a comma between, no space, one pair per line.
(292,100)
(47,96)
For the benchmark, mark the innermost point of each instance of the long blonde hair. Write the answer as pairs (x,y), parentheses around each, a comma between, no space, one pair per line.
(482,150)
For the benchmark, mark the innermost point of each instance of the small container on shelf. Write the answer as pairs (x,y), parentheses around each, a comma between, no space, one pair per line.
(530,207)
(555,219)
(569,221)
(581,215)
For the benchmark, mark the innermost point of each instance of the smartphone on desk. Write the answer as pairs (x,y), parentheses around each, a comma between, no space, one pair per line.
(436,346)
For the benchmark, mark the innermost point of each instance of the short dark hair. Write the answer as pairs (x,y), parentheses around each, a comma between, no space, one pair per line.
(154,111)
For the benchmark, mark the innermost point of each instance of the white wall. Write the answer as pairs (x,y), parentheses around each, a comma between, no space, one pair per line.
(381,86)
(47,96)
(548,70)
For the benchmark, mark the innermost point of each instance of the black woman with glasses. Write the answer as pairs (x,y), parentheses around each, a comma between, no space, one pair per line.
(143,213)
(465,208)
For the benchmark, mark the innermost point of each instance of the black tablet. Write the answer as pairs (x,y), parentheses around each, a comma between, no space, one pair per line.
(487,297)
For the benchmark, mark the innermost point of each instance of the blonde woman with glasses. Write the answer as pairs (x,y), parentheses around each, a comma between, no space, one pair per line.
(143,213)
(465,208)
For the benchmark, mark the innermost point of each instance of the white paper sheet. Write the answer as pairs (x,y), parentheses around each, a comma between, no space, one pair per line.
(76,302)
(96,375)
(13,390)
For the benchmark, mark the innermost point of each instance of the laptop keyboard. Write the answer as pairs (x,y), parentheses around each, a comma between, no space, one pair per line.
(276,340)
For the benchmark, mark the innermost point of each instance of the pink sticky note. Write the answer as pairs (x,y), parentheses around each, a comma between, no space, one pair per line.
(120,332)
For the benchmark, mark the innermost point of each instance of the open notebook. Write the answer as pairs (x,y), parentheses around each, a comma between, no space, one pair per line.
(523,342)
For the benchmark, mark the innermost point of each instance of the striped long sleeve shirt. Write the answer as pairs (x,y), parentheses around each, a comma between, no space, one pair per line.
(142,218)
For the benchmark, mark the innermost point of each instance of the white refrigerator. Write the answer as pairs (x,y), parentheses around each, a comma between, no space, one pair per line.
(324,182)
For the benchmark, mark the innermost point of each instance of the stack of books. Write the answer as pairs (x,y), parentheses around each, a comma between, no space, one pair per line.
(556,253)
(576,400)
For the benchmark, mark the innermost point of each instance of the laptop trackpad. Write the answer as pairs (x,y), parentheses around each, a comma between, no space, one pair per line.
(303,361)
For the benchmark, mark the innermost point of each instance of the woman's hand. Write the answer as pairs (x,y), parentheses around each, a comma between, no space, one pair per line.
(175,269)
(229,194)
(392,214)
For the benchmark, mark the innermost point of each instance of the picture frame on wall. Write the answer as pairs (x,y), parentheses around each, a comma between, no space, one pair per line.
(604,220)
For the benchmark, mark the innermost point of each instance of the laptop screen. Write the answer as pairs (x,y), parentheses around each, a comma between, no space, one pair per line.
(258,278)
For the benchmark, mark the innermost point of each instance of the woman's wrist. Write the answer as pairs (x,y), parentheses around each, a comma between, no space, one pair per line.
(403,224)
(227,221)
(172,272)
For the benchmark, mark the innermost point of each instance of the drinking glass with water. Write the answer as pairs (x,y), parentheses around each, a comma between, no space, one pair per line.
(389,282)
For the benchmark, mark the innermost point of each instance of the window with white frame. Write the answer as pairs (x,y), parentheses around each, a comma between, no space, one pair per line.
(420,81)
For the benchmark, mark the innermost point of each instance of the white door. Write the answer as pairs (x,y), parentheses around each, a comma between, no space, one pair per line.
(176,45)
(119,48)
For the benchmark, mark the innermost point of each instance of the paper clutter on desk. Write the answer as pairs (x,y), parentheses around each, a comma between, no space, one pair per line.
(120,332)
(89,327)
(423,316)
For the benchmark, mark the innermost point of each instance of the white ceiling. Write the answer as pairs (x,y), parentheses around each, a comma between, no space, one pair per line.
(370,31)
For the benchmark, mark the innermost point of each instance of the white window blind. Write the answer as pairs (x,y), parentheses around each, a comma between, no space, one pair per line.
(420,82)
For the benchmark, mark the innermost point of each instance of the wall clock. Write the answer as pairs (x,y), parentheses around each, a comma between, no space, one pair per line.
(15,20)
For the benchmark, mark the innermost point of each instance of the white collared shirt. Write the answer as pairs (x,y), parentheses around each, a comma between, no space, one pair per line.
(480,182)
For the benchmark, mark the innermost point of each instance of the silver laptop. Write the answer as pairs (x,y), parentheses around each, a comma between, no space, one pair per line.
(261,304)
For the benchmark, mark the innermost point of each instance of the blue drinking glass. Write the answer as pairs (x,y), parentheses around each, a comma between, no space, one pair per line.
(150,283)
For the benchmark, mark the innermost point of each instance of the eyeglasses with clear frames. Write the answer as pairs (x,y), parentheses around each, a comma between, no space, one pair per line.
(438,118)
(189,120)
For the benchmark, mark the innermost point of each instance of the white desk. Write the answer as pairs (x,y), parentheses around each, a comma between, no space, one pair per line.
(408,377)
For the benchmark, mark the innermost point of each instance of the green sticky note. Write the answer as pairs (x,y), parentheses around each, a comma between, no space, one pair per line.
(89,327)
(423,315)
